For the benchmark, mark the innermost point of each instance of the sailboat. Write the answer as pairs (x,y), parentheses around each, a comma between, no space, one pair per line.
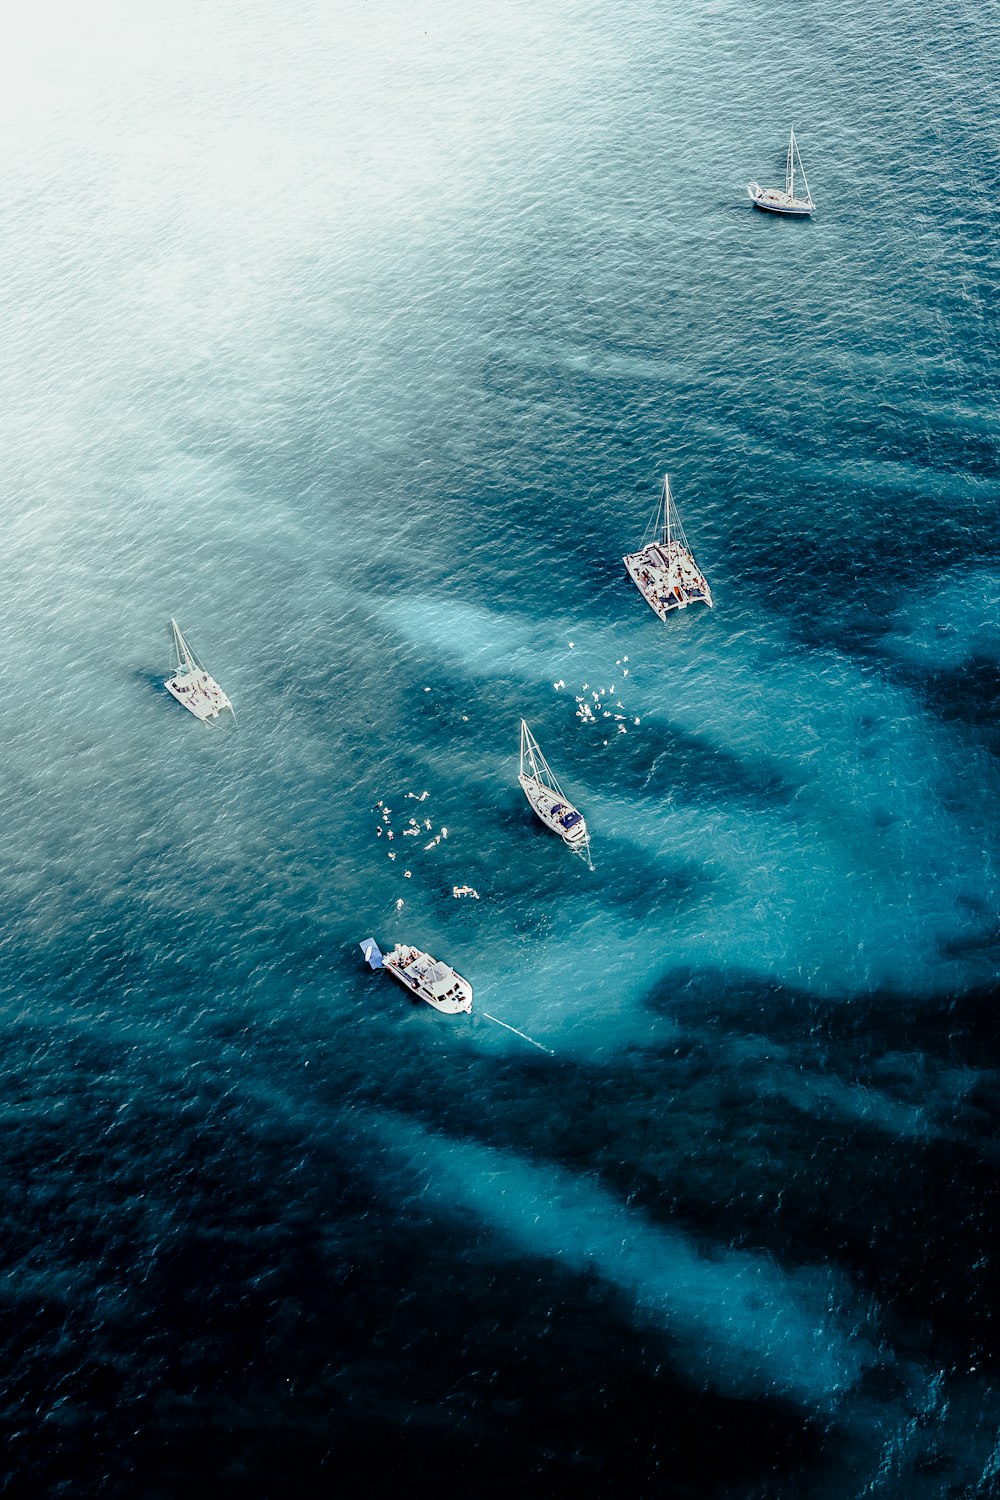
(546,797)
(191,685)
(777,202)
(664,571)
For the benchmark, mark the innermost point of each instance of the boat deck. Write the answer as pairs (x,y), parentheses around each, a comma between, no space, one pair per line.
(198,692)
(429,979)
(555,812)
(667,577)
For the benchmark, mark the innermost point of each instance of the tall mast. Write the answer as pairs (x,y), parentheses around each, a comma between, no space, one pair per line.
(802,174)
(538,768)
(790,167)
(183,650)
(666,509)
(531,756)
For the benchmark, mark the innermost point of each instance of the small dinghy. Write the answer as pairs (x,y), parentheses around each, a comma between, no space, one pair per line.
(425,977)
(774,201)
(191,685)
(664,571)
(546,797)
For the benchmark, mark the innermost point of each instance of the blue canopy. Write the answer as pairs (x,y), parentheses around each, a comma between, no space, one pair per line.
(372,952)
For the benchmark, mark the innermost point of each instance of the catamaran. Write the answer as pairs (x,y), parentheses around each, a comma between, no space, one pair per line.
(546,797)
(191,685)
(664,571)
(427,978)
(777,202)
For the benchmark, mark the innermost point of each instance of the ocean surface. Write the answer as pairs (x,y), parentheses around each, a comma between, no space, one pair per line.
(359,337)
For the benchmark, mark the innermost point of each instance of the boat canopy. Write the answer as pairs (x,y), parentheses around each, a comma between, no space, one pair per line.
(372,953)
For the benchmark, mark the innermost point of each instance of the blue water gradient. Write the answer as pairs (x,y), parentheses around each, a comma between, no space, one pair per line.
(359,340)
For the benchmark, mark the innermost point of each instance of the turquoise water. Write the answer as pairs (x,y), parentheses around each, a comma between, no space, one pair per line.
(360,341)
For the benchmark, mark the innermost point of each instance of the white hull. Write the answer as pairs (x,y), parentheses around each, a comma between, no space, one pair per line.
(198,692)
(554,811)
(774,201)
(430,980)
(667,577)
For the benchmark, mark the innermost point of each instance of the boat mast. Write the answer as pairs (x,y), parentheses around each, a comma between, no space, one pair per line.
(666,510)
(531,755)
(538,767)
(802,174)
(184,658)
(790,167)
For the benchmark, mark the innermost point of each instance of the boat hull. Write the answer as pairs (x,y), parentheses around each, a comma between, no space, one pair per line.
(773,201)
(551,810)
(402,957)
(199,693)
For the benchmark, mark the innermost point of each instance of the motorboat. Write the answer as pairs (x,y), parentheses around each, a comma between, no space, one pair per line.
(426,978)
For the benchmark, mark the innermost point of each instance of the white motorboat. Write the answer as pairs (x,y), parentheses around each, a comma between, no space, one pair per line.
(664,570)
(191,685)
(546,797)
(774,201)
(425,977)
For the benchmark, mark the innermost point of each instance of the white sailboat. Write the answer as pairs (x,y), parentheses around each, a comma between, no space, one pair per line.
(191,685)
(774,201)
(664,571)
(546,797)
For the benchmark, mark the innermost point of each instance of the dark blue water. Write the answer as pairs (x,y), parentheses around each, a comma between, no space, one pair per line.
(360,341)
